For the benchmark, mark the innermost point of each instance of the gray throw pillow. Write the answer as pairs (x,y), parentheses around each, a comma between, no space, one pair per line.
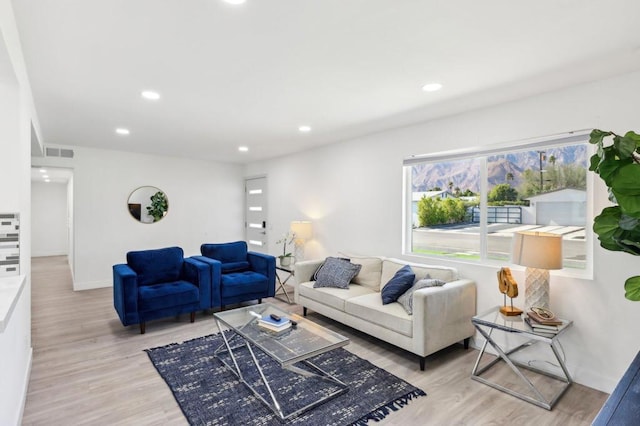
(406,299)
(336,273)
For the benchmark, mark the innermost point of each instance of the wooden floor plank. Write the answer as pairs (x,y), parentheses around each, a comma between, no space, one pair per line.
(90,370)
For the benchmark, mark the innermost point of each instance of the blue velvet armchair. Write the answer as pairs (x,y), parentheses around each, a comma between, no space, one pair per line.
(159,283)
(238,275)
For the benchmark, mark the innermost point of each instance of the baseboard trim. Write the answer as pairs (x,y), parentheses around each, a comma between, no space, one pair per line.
(90,285)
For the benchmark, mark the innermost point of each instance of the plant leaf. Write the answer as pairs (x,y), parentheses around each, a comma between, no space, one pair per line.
(628,223)
(606,225)
(625,146)
(594,163)
(597,136)
(633,136)
(632,288)
(626,188)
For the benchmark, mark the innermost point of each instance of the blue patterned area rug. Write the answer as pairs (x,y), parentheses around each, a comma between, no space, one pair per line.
(209,394)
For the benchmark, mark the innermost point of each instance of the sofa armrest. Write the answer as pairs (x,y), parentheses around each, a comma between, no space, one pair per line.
(302,273)
(304,270)
(215,271)
(125,294)
(199,274)
(442,315)
(264,264)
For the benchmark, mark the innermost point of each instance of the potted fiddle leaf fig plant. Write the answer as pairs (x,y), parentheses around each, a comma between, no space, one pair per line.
(617,162)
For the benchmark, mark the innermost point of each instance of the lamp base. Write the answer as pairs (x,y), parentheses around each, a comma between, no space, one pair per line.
(536,288)
(510,311)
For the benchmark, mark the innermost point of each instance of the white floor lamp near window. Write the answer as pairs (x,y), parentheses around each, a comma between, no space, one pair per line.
(539,252)
(303,232)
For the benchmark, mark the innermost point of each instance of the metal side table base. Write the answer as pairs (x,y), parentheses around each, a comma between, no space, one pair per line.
(538,399)
(282,290)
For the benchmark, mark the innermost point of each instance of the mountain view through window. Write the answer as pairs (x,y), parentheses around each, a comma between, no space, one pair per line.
(542,190)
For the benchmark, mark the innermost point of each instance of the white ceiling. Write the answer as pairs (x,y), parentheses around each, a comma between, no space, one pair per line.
(251,74)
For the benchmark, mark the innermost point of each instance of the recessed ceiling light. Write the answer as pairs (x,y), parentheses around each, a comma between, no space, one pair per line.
(243,148)
(150,95)
(122,131)
(45,176)
(234,1)
(304,129)
(47,180)
(43,170)
(432,87)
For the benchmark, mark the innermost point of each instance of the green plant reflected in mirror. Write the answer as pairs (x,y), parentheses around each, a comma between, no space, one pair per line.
(148,204)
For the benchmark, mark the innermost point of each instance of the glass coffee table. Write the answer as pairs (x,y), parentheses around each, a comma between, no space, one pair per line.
(290,350)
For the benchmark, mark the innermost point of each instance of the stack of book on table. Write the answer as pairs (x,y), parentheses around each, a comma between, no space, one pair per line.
(277,324)
(545,326)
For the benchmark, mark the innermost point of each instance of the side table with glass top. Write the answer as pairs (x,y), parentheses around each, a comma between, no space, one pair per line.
(491,321)
(282,290)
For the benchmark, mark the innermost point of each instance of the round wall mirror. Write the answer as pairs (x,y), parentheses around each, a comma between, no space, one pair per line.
(148,204)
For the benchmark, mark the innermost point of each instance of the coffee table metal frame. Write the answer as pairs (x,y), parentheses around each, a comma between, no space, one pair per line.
(492,320)
(241,337)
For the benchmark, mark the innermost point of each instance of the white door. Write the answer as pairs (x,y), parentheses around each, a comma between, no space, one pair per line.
(255,222)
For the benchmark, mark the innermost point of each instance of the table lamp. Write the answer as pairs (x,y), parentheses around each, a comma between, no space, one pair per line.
(539,252)
(303,231)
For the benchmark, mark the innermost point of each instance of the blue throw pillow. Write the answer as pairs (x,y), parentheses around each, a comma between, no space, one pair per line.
(401,282)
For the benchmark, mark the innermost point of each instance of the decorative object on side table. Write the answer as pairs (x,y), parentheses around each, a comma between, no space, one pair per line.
(539,252)
(618,227)
(286,258)
(508,287)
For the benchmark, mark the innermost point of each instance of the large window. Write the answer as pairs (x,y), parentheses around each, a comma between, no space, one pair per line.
(467,205)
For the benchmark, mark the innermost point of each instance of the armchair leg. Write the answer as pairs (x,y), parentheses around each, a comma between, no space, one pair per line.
(466,342)
(304,311)
(193,317)
(142,328)
(422,361)
(222,307)
(259,301)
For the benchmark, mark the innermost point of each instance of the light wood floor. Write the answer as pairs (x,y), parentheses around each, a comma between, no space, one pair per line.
(90,370)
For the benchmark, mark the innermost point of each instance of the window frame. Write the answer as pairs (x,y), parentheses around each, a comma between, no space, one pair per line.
(483,153)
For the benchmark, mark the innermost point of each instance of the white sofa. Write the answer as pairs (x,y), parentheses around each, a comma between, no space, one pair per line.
(441,315)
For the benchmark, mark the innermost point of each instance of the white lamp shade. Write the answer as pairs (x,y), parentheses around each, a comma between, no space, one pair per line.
(302,229)
(537,250)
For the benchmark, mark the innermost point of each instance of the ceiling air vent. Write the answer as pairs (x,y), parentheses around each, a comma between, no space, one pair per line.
(52,152)
(58,152)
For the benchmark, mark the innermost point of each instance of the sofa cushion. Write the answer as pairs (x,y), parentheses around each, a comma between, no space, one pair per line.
(166,295)
(370,272)
(369,307)
(336,273)
(406,299)
(234,267)
(246,282)
(398,284)
(314,277)
(333,297)
(391,266)
(156,266)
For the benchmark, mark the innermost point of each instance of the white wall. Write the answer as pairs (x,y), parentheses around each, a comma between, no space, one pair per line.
(49,230)
(16,114)
(205,205)
(352,191)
